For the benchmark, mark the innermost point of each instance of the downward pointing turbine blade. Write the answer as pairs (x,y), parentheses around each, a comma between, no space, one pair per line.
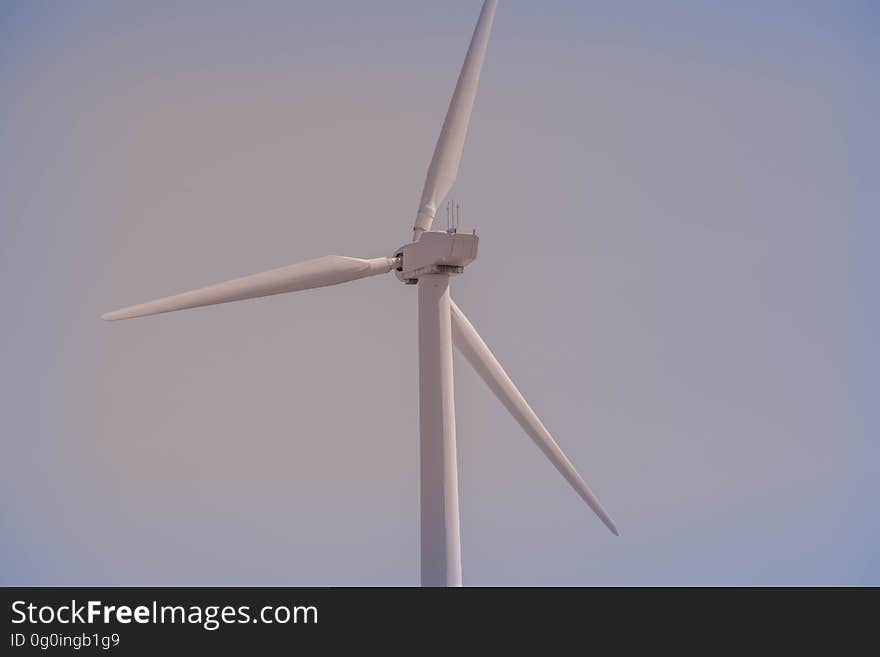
(472,347)
(320,272)
(447,153)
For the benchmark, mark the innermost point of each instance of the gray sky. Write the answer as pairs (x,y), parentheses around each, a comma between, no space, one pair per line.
(678,218)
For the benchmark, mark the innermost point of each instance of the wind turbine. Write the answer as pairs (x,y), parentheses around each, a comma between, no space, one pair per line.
(428,261)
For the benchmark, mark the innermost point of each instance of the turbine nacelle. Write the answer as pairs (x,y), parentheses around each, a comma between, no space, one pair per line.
(436,252)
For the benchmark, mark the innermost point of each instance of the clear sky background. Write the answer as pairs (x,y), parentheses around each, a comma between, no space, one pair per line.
(678,210)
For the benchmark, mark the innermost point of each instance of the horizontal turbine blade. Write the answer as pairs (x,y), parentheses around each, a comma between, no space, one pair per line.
(320,272)
(447,153)
(472,347)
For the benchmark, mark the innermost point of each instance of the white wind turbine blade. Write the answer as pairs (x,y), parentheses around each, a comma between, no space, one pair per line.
(447,153)
(320,272)
(472,347)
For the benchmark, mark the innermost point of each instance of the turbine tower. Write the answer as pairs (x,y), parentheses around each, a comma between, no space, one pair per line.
(428,262)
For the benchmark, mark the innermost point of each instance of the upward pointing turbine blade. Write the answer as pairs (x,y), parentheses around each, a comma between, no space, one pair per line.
(447,153)
(472,347)
(320,272)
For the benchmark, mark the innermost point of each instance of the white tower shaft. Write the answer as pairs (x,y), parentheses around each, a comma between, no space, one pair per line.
(440,539)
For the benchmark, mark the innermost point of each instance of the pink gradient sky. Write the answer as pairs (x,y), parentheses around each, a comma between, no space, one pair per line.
(678,217)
